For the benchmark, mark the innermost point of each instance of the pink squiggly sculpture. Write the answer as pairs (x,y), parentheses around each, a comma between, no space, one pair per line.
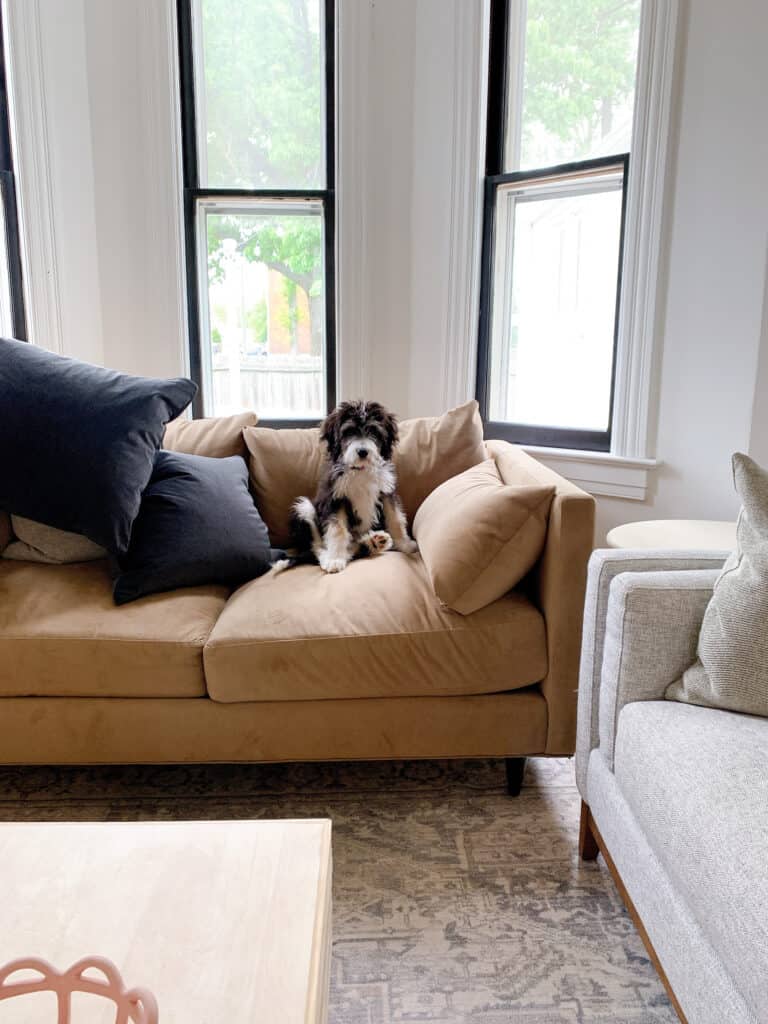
(135,1005)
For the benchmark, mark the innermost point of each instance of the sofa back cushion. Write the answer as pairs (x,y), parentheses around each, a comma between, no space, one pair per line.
(432,449)
(478,536)
(731,671)
(285,464)
(217,437)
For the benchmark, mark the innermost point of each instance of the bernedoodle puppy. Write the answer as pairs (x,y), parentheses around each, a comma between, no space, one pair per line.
(356,511)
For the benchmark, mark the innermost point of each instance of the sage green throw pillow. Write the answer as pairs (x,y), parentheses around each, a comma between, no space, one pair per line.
(731,670)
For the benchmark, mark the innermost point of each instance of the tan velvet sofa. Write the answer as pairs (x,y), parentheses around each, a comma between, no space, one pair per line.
(365,664)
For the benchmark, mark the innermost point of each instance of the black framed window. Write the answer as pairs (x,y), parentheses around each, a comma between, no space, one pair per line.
(561,92)
(12,313)
(257,88)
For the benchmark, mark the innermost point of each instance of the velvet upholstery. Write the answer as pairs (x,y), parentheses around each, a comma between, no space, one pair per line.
(62,635)
(218,437)
(374,630)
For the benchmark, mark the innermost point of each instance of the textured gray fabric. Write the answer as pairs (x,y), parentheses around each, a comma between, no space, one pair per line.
(731,670)
(697,783)
(604,566)
(695,969)
(648,635)
(652,626)
(36,542)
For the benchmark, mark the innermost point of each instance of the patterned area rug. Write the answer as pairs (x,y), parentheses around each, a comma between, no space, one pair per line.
(453,904)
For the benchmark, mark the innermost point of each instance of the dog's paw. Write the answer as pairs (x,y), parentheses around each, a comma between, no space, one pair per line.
(407,546)
(377,542)
(332,564)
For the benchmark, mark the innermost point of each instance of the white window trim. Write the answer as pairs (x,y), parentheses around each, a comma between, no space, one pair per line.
(636,354)
(36,201)
(624,472)
(600,473)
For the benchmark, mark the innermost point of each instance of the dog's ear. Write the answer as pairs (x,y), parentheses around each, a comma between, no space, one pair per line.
(389,425)
(330,432)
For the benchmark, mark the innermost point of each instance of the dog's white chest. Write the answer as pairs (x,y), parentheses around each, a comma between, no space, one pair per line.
(361,489)
(363,493)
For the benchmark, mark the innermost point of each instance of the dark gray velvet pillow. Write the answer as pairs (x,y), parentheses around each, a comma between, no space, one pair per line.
(77,442)
(197,524)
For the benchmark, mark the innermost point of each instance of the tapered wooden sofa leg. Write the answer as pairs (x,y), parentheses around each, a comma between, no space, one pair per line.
(588,848)
(515,771)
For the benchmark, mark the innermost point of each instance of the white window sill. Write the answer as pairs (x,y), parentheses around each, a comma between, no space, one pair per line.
(599,473)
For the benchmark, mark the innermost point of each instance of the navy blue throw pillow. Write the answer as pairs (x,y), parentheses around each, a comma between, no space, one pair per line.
(78,442)
(197,524)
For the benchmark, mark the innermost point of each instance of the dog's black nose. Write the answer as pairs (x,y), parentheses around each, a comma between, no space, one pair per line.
(362,453)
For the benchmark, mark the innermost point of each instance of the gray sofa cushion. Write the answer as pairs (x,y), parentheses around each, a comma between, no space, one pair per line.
(731,670)
(696,780)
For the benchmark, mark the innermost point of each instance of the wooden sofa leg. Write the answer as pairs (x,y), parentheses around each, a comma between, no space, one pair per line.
(588,848)
(515,771)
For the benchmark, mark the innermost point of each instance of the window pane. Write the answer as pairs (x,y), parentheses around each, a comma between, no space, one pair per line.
(260,94)
(264,343)
(572,80)
(556,266)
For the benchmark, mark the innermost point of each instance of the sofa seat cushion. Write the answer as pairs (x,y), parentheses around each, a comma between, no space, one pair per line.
(697,782)
(62,635)
(374,630)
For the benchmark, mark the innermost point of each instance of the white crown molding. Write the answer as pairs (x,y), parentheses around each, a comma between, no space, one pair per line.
(636,353)
(353,355)
(465,209)
(35,186)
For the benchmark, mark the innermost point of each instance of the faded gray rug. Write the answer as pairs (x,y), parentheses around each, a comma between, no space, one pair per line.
(452,902)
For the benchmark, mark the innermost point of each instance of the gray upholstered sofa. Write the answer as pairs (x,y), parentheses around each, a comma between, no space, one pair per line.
(675,796)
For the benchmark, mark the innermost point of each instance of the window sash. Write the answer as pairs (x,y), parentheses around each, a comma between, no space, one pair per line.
(198,197)
(587,177)
(505,80)
(250,205)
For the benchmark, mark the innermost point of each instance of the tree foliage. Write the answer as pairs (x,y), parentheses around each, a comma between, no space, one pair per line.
(264,130)
(579,66)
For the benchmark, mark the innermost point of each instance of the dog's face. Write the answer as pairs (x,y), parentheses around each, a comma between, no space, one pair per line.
(360,435)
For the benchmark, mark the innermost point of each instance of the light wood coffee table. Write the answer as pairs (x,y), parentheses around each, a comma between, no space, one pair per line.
(225,922)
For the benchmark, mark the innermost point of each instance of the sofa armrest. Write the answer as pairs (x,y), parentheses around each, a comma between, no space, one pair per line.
(559,580)
(604,566)
(5,530)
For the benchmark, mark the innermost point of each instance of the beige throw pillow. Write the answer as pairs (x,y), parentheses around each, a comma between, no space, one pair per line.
(731,670)
(283,464)
(478,536)
(217,437)
(36,542)
(432,449)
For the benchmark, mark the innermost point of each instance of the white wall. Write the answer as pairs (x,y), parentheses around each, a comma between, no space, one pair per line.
(411,83)
(132,73)
(713,323)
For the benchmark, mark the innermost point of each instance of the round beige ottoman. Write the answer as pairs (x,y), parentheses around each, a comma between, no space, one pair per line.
(670,534)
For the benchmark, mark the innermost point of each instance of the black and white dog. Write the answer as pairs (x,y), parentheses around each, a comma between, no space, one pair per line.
(356,511)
